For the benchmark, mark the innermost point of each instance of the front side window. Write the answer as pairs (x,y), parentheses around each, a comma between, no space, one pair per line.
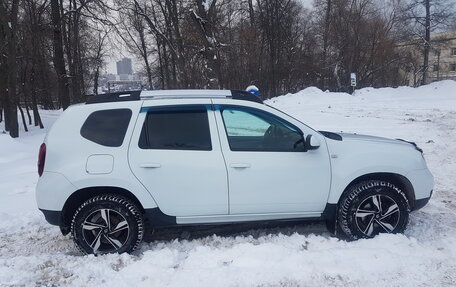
(250,129)
(107,127)
(176,128)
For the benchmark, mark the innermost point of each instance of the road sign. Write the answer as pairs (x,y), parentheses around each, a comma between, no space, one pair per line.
(353,79)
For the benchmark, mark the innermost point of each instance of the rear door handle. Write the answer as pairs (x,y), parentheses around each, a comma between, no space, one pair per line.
(240,165)
(150,165)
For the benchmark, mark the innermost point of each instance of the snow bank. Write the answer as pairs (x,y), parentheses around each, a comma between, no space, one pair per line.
(437,94)
(33,253)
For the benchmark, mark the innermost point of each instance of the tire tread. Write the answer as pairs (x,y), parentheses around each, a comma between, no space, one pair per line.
(135,211)
(352,193)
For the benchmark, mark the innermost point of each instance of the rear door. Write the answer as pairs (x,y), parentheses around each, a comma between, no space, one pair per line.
(175,152)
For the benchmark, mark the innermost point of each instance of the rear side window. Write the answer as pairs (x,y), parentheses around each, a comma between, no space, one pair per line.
(176,128)
(107,127)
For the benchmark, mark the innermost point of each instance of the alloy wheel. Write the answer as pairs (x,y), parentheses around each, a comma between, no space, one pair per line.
(105,230)
(377,214)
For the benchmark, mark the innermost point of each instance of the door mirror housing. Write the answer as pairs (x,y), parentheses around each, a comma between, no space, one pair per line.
(312,142)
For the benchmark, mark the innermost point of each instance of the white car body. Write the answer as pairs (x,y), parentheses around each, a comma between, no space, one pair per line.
(176,187)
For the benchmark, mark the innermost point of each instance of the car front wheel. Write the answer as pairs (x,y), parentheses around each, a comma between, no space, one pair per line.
(373,207)
(107,224)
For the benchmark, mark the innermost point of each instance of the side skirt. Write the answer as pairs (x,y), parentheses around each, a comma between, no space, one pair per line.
(241,218)
(155,218)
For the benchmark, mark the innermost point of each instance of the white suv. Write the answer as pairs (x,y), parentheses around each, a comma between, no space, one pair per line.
(126,163)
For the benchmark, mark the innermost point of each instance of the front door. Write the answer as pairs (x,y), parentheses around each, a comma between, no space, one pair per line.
(269,170)
(177,157)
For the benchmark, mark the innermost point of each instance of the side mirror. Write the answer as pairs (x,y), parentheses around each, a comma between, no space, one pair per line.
(312,142)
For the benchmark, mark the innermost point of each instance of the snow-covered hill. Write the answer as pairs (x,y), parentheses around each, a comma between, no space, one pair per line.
(33,253)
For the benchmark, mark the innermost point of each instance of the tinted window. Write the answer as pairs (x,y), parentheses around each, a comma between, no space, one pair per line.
(107,127)
(254,130)
(179,128)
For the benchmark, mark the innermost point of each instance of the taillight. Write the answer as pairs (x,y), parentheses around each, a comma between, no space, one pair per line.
(41,158)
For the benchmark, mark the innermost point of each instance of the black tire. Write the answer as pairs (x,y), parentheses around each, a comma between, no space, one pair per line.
(372,207)
(107,224)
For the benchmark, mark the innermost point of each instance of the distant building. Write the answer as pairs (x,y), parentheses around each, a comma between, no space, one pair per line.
(124,67)
(442,59)
(124,77)
(110,77)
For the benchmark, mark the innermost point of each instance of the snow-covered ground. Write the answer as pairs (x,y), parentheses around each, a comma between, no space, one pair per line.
(34,253)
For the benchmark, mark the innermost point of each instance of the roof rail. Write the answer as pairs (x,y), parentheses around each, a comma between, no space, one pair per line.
(113,97)
(182,94)
(172,94)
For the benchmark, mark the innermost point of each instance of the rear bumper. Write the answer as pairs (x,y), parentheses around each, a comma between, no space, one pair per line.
(52,191)
(52,216)
(55,218)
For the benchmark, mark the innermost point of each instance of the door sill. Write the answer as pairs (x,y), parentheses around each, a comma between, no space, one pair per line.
(245,217)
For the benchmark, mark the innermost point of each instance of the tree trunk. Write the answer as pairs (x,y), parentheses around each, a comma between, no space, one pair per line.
(33,91)
(23,118)
(325,44)
(12,70)
(59,61)
(40,123)
(95,80)
(204,21)
(146,60)
(174,13)
(36,114)
(3,68)
(427,44)
(4,91)
(251,14)
(27,109)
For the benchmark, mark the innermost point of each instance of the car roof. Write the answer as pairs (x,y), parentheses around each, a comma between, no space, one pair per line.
(172,94)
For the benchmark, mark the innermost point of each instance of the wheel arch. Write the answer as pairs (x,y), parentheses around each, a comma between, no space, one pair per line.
(83,194)
(398,180)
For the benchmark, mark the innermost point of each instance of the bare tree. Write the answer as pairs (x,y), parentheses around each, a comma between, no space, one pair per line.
(425,17)
(98,59)
(8,18)
(133,33)
(166,29)
(205,19)
(59,60)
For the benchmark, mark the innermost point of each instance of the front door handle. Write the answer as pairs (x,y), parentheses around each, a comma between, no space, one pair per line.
(150,165)
(240,165)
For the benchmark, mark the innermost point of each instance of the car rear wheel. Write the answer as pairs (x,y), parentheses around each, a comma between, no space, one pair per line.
(107,224)
(373,207)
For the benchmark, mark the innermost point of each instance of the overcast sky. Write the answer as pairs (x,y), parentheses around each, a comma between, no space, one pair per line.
(307,3)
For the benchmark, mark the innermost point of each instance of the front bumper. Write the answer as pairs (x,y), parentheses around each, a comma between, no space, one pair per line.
(423,184)
(420,203)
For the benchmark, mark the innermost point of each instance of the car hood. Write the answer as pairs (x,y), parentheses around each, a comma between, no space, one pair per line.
(358,137)
(369,138)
